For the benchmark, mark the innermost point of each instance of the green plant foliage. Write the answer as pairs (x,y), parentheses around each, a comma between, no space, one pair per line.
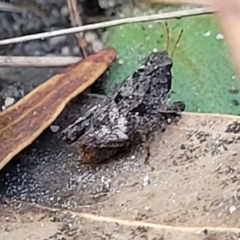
(202,74)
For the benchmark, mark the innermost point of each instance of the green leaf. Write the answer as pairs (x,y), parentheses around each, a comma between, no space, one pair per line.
(202,74)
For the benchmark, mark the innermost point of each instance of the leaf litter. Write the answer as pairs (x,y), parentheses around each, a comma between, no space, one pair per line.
(189,189)
(23,122)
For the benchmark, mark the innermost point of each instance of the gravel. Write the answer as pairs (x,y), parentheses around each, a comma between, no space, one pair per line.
(46,172)
(52,15)
(49,172)
(10,94)
(42,16)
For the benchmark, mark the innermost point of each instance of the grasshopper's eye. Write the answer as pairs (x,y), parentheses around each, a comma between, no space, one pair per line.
(141,70)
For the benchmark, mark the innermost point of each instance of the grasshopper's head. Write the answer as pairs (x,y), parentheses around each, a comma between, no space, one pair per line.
(160,59)
(159,66)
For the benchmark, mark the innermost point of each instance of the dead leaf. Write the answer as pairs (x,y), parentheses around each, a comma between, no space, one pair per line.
(188,190)
(22,123)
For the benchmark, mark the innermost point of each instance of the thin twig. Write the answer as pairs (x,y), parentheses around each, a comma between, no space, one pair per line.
(136,223)
(76,21)
(154,17)
(51,61)
(74,13)
(8,7)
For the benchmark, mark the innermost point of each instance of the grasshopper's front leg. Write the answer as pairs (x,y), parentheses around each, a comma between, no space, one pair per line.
(174,107)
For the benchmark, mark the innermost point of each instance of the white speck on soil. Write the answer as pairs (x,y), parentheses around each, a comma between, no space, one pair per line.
(146,181)
(207,34)
(219,36)
(133,157)
(120,61)
(232,209)
(150,26)
(146,208)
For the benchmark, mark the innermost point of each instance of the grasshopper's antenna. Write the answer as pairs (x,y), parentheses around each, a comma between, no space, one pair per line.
(175,46)
(168,37)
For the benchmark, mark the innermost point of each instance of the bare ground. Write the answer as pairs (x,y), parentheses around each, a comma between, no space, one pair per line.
(189,188)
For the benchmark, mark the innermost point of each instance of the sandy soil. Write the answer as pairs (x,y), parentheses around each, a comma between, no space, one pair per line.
(188,189)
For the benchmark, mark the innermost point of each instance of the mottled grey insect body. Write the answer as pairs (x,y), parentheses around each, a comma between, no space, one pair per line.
(129,113)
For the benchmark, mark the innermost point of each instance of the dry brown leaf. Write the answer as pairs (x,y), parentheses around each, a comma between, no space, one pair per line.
(188,190)
(22,123)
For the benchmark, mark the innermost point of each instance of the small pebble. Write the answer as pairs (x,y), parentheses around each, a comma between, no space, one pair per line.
(146,181)
(64,11)
(232,209)
(16,27)
(57,40)
(97,46)
(111,3)
(65,51)
(103,4)
(54,128)
(9,101)
(55,13)
(90,37)
(75,50)
(34,48)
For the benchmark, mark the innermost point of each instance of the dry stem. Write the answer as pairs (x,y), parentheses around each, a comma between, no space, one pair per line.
(8,7)
(154,17)
(76,21)
(50,61)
